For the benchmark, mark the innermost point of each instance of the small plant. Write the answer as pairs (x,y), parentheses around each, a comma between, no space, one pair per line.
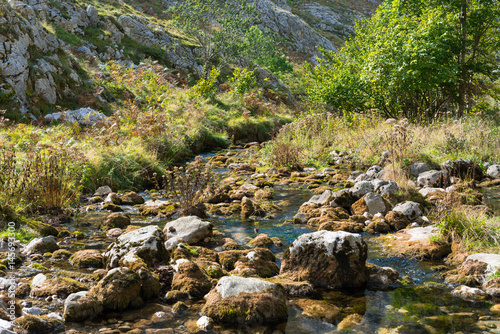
(286,154)
(206,88)
(242,81)
(187,185)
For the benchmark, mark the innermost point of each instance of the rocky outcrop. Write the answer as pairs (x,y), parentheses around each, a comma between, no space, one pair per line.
(326,259)
(31,58)
(246,301)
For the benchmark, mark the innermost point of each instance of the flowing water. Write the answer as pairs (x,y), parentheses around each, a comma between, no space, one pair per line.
(424,305)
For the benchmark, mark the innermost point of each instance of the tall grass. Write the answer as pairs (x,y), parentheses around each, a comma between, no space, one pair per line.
(476,231)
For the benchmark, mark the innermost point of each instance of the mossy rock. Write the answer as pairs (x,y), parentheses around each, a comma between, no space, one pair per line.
(112,207)
(174,296)
(115,220)
(191,279)
(118,290)
(87,258)
(42,228)
(38,324)
(61,254)
(60,286)
(132,198)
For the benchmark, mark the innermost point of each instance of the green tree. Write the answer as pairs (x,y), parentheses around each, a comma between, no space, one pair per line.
(413,58)
(224,32)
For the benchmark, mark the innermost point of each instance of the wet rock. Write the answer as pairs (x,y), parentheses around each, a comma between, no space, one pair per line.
(242,300)
(38,323)
(190,230)
(138,248)
(120,289)
(263,194)
(469,293)
(352,320)
(344,198)
(319,310)
(60,286)
(115,220)
(381,276)
(112,207)
(179,308)
(113,198)
(247,207)
(262,240)
(220,195)
(322,199)
(230,244)
(81,306)
(410,209)
(432,178)
(293,288)
(418,168)
(103,191)
(240,168)
(416,243)
(87,258)
(493,171)
(132,198)
(41,245)
(174,296)
(326,259)
(114,232)
(189,278)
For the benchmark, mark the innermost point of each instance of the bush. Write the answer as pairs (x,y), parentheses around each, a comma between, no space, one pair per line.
(187,185)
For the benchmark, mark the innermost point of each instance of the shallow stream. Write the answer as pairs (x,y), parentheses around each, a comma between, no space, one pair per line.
(424,305)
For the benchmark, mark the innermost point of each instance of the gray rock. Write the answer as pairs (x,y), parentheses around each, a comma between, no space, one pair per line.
(190,230)
(205,323)
(141,245)
(354,175)
(469,293)
(93,16)
(326,259)
(418,168)
(493,171)
(361,188)
(410,209)
(82,116)
(373,171)
(41,245)
(421,233)
(103,191)
(432,178)
(322,199)
(375,203)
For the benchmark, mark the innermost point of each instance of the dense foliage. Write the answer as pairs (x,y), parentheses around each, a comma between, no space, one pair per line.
(415,59)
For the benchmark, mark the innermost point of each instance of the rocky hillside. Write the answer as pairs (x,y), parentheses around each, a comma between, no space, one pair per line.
(47,46)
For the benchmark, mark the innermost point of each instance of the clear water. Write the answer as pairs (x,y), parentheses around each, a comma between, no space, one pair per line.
(425,306)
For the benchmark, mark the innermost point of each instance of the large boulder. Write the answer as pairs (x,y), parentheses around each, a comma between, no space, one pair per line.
(115,220)
(190,279)
(190,230)
(41,245)
(372,203)
(124,288)
(327,259)
(138,248)
(242,300)
(81,306)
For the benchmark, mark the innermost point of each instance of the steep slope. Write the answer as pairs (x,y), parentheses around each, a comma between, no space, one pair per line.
(46,46)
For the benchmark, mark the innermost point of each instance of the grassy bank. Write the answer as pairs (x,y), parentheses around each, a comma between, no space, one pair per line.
(155,123)
(313,137)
